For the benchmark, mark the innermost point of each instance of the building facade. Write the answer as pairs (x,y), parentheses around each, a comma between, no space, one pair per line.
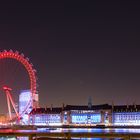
(46,116)
(72,115)
(120,115)
(126,115)
(87,115)
(26,104)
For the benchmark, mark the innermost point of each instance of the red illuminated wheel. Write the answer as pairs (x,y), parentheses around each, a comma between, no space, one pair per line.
(12,62)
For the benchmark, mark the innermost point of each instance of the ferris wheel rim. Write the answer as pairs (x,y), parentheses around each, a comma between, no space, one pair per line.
(29,68)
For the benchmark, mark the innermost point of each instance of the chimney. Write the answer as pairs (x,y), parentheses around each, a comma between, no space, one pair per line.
(127,105)
(63,106)
(134,104)
(112,105)
(51,106)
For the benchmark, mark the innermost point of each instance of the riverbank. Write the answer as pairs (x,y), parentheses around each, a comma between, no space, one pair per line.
(24,127)
(52,139)
(89,126)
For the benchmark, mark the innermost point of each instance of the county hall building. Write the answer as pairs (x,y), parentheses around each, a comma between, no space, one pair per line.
(90,115)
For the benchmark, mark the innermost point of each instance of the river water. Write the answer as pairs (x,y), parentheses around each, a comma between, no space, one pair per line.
(76,130)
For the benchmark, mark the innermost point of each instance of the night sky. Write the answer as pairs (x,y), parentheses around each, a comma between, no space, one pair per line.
(79,48)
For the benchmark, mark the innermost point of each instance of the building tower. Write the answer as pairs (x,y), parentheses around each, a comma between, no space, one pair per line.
(26,100)
(89,103)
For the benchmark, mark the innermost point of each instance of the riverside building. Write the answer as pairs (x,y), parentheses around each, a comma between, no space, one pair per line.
(46,116)
(94,115)
(126,115)
(72,115)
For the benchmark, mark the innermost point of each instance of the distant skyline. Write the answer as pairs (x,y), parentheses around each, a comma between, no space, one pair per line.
(79,49)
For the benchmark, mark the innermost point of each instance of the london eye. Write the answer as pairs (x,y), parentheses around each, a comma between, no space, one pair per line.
(16,74)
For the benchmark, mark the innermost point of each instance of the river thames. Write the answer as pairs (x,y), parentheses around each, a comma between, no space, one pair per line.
(72,130)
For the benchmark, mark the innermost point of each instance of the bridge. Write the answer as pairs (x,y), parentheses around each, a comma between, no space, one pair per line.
(68,135)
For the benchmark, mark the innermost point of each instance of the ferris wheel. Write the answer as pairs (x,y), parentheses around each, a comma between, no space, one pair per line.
(16,73)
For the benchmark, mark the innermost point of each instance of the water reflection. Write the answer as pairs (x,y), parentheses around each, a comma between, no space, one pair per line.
(14,138)
(95,139)
(93,130)
(8,138)
(26,138)
(74,130)
(22,138)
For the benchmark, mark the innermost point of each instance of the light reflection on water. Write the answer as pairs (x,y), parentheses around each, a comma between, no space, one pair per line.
(8,138)
(76,130)
(14,138)
(95,139)
(26,138)
(92,130)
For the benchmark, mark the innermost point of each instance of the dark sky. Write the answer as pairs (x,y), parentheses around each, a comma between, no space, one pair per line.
(79,48)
